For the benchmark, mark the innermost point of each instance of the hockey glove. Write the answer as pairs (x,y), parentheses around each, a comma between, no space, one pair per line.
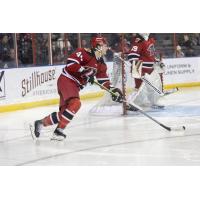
(118,97)
(162,65)
(88,74)
(159,67)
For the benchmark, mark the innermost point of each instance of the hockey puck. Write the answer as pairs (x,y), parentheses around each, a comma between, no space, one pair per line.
(183,127)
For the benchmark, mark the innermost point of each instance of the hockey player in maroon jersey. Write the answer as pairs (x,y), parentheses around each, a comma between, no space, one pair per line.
(143,51)
(82,67)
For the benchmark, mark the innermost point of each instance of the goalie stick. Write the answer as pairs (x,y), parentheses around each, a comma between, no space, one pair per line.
(141,111)
(171,91)
(149,83)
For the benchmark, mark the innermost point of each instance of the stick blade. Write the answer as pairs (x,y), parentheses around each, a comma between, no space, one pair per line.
(180,128)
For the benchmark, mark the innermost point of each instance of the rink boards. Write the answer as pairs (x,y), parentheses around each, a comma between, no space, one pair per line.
(22,88)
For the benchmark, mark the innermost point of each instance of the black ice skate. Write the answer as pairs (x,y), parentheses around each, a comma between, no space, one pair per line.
(58,135)
(37,128)
(131,108)
(158,107)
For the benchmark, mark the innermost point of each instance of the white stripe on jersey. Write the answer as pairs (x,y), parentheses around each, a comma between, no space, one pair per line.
(70,77)
(102,79)
(134,54)
(70,112)
(58,116)
(51,120)
(148,62)
(66,118)
(74,60)
(147,67)
(69,64)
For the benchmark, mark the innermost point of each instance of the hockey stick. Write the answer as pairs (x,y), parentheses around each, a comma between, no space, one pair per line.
(152,86)
(173,90)
(135,107)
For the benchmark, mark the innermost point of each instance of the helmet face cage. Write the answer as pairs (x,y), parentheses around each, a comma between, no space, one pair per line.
(99,46)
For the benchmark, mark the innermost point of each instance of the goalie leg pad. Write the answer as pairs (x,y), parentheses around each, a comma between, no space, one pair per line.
(144,71)
(146,96)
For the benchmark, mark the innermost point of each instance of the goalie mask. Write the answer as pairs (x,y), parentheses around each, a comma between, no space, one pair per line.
(145,36)
(99,46)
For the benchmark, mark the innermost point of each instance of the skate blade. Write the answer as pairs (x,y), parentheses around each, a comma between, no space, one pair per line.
(56,138)
(32,132)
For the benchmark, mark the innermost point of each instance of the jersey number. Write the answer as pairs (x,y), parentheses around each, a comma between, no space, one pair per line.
(134,48)
(79,54)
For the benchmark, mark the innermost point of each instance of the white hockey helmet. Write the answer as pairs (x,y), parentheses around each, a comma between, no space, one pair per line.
(144,35)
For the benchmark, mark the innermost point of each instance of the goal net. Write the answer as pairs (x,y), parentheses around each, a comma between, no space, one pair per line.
(106,106)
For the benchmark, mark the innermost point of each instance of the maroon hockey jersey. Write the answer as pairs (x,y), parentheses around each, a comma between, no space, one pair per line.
(83,58)
(143,50)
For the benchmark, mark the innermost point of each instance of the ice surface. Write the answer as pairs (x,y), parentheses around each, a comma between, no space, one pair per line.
(107,140)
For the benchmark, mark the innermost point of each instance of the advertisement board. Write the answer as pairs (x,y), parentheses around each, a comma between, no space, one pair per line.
(182,70)
(35,84)
(28,84)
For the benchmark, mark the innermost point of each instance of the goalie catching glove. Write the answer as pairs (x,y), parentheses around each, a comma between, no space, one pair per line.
(88,74)
(118,97)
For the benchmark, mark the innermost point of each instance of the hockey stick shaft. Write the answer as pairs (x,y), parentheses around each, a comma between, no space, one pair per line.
(152,86)
(134,106)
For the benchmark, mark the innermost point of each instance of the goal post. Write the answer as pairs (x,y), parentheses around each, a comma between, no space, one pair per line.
(123,75)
